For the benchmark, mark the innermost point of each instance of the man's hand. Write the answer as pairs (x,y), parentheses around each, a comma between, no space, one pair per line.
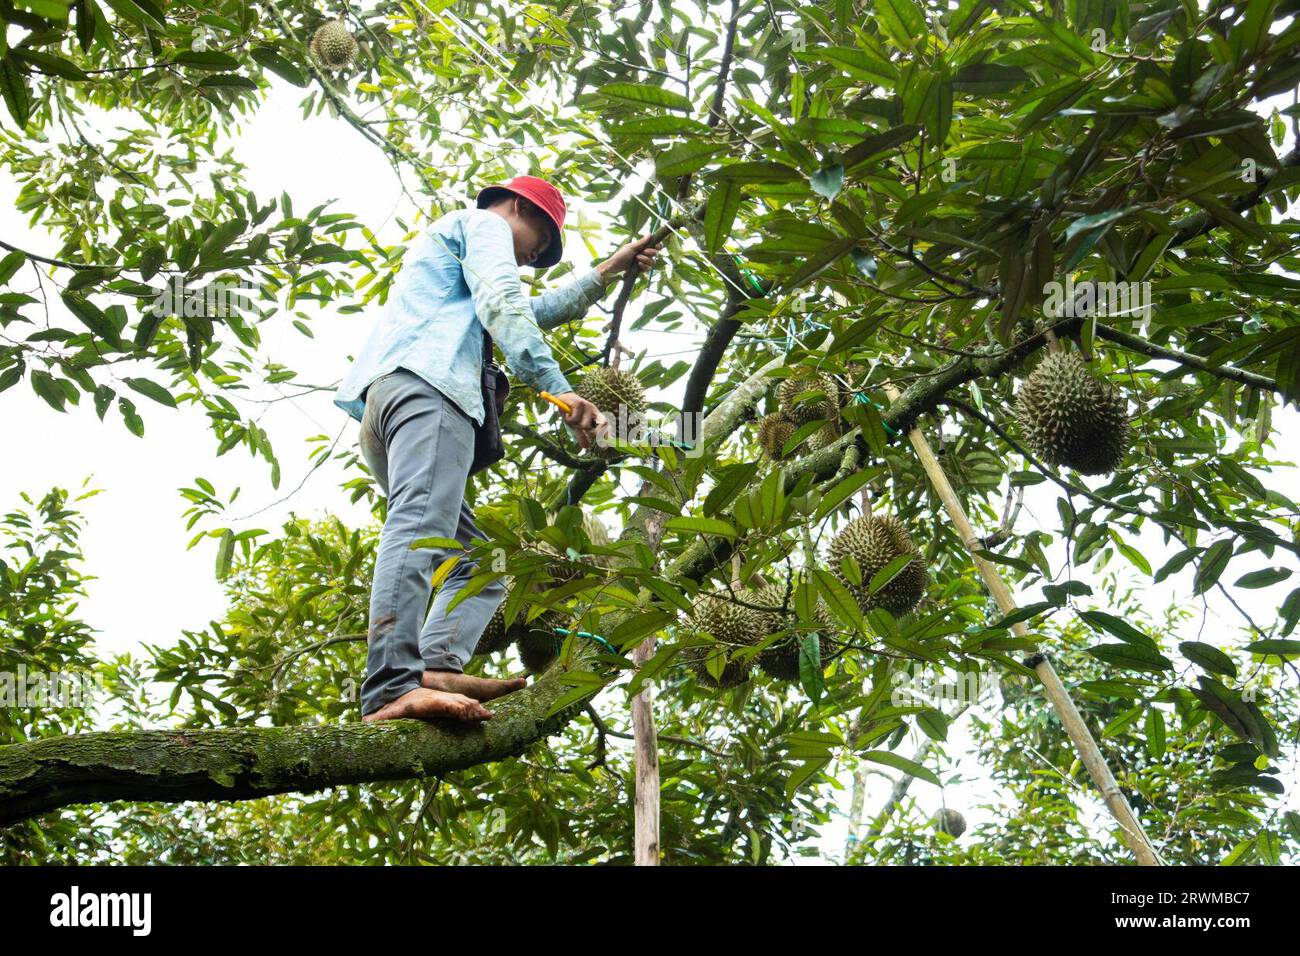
(636,251)
(584,418)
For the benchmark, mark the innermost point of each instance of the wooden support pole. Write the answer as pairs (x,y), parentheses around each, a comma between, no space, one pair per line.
(645,746)
(1130,829)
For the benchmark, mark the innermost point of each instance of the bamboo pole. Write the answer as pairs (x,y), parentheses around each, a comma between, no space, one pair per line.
(1130,829)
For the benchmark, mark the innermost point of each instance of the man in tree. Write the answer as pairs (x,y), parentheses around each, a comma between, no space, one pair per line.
(415,388)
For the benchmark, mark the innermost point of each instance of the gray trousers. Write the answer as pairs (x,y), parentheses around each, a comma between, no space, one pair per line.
(419,446)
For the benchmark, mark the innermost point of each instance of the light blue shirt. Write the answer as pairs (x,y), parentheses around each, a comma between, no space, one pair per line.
(459,278)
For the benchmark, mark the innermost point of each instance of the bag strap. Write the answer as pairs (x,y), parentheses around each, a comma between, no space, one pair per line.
(487,347)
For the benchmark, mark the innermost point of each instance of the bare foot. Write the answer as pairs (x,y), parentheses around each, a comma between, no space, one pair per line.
(480,688)
(425,704)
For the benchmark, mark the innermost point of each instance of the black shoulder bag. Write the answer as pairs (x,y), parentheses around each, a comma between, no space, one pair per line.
(488,446)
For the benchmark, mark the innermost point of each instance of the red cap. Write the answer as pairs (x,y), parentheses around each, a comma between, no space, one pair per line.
(543,195)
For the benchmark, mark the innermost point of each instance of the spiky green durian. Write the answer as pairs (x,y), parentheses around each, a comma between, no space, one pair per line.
(608,388)
(781,659)
(1070,417)
(773,432)
(734,626)
(823,404)
(536,640)
(875,541)
(620,395)
(333,44)
(828,434)
(495,636)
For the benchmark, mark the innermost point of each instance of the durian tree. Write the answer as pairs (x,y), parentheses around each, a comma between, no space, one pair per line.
(855,196)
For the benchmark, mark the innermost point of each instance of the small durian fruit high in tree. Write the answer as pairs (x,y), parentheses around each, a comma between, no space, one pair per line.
(875,541)
(333,44)
(1071,417)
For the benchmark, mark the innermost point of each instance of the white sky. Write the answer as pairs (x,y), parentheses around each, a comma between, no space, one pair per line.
(147,587)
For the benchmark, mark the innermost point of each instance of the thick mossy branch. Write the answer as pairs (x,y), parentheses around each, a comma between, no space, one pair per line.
(239,763)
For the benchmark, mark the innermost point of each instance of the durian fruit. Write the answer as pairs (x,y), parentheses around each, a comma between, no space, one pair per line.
(620,395)
(536,640)
(333,44)
(828,434)
(598,535)
(495,637)
(781,660)
(949,821)
(1071,417)
(874,542)
(732,625)
(811,408)
(773,432)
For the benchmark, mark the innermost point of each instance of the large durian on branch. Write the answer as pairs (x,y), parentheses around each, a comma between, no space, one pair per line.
(1069,416)
(734,626)
(780,660)
(620,395)
(773,433)
(875,541)
(333,44)
(805,398)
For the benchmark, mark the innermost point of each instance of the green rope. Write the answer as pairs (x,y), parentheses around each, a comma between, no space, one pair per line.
(860,398)
(595,637)
(753,279)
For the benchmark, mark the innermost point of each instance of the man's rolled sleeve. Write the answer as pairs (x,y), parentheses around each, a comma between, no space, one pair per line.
(568,302)
(499,302)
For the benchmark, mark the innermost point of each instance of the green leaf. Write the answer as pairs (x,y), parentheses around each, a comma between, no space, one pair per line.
(810,667)
(10,264)
(902,21)
(1275,648)
(1263,578)
(720,213)
(686,158)
(1155,730)
(277,64)
(828,181)
(899,762)
(225,550)
(95,320)
(1118,627)
(643,94)
(151,390)
(1131,657)
(890,571)
(134,423)
(1212,565)
(140,14)
(13,85)
(694,525)
(1208,657)
(437,544)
